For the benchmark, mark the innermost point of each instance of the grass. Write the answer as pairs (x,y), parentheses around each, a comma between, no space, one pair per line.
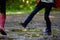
(25,11)
(22,11)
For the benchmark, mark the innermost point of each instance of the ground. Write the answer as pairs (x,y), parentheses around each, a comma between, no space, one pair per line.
(34,28)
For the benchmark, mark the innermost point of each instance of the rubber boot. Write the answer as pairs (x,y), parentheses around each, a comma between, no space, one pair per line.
(2,22)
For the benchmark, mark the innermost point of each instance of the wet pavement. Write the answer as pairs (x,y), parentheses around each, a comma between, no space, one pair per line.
(34,29)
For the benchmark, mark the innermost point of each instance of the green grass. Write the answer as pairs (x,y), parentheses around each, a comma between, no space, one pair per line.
(24,11)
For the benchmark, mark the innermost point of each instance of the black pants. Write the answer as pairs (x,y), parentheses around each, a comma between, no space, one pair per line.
(3,6)
(41,5)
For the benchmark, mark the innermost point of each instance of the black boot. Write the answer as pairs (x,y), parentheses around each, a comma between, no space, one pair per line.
(23,25)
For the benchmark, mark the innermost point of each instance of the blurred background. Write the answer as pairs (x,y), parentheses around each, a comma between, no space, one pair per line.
(22,6)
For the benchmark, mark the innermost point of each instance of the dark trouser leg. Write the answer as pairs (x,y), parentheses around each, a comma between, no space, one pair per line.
(46,16)
(3,6)
(38,7)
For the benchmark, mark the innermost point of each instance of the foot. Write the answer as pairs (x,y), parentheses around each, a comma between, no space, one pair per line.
(47,32)
(3,32)
(23,25)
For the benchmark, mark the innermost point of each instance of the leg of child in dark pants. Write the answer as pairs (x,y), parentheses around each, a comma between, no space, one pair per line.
(46,16)
(37,8)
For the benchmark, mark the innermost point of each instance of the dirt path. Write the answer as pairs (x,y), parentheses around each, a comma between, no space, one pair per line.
(36,23)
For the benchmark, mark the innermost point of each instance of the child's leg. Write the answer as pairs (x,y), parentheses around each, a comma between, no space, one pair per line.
(39,7)
(46,16)
(2,16)
(2,13)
